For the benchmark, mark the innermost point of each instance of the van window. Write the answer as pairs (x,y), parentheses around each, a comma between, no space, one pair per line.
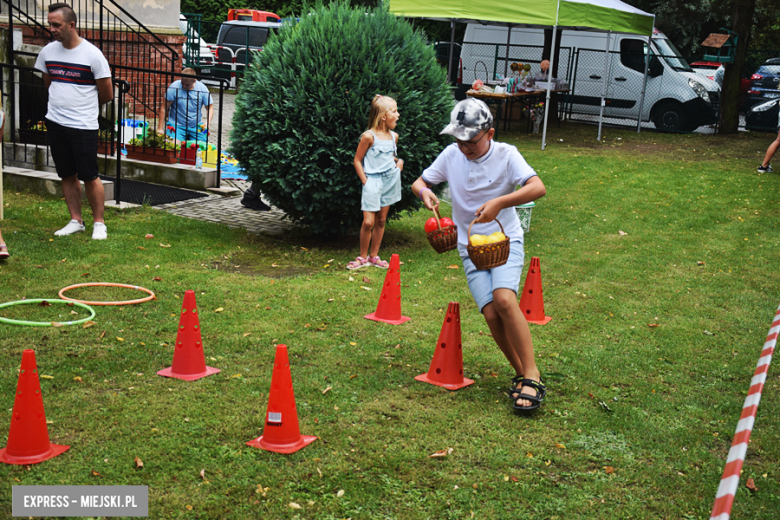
(632,54)
(671,55)
(238,36)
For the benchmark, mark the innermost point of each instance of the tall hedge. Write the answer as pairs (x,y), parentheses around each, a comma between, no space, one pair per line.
(304,103)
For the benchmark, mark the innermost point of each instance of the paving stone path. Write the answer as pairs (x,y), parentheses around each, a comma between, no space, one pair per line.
(228,210)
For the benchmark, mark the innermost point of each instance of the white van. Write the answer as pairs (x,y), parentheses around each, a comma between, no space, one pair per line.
(676,98)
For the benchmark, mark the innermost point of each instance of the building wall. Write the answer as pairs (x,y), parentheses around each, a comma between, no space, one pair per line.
(155,14)
(160,16)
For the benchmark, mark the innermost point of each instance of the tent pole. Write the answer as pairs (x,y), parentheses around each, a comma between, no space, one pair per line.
(606,80)
(644,82)
(549,86)
(452,50)
(549,74)
(508,40)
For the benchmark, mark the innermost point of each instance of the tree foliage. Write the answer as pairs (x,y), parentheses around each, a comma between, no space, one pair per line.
(688,22)
(304,104)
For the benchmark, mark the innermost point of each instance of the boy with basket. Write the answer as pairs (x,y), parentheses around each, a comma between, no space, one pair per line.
(483,176)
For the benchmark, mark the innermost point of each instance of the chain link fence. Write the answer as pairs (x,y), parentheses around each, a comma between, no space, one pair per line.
(490,62)
(678,97)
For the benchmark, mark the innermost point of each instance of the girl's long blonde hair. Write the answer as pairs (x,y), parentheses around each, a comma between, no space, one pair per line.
(379,105)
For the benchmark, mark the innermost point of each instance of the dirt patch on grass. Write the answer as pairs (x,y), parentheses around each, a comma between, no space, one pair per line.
(251,264)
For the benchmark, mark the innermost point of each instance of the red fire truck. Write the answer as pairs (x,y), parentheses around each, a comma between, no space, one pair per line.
(252,15)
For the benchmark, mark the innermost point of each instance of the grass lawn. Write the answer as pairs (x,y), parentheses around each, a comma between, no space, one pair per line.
(654,338)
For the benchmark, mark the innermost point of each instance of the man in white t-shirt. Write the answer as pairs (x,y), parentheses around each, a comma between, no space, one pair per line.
(78,79)
(483,177)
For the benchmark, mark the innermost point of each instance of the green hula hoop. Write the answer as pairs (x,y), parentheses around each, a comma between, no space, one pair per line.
(45,323)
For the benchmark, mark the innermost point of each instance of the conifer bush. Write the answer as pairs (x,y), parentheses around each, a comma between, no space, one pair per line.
(304,103)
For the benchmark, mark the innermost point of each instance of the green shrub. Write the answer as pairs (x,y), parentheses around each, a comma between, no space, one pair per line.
(305,100)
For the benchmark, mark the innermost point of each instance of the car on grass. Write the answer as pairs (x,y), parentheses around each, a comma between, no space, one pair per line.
(705,68)
(708,69)
(765,83)
(763,116)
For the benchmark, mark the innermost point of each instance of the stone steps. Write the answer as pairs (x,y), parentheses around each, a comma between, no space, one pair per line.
(45,183)
(38,158)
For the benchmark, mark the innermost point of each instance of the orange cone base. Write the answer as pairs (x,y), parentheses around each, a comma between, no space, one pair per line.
(168,372)
(53,451)
(545,321)
(373,316)
(304,441)
(449,386)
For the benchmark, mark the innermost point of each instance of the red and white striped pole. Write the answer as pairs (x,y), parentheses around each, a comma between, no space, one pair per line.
(233,72)
(729,482)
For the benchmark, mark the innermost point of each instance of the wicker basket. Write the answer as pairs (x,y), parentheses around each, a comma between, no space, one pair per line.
(488,256)
(443,239)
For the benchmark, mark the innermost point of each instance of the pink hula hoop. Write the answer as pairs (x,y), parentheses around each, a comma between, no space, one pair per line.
(102,284)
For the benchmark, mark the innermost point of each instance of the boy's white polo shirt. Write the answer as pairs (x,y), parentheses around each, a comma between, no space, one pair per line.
(472,183)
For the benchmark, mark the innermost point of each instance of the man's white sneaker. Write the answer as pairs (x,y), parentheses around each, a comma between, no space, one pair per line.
(99,232)
(74,226)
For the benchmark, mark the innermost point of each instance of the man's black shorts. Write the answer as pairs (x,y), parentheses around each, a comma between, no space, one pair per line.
(74,151)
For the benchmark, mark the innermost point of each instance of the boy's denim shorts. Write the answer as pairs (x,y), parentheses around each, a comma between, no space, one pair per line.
(381,190)
(507,276)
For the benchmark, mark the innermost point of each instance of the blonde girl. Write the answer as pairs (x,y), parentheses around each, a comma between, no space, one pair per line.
(379,169)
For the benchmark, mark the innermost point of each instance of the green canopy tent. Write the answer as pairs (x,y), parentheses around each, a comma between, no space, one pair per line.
(594,15)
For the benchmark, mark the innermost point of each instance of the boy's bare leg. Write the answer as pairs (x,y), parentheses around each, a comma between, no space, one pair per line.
(498,331)
(379,230)
(518,337)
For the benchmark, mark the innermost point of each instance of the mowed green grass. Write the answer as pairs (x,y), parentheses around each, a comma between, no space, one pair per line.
(655,335)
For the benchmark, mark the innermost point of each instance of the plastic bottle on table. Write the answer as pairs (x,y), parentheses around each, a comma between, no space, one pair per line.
(198,160)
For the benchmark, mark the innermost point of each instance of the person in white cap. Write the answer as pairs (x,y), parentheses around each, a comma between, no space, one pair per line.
(483,177)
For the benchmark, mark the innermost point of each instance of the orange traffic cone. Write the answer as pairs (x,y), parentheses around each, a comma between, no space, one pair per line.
(189,360)
(282,433)
(388,309)
(28,438)
(532,302)
(447,365)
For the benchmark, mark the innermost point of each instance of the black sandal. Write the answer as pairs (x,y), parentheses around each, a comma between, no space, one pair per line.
(536,400)
(513,389)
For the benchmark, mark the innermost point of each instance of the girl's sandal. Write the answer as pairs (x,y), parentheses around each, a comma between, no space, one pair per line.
(357,263)
(4,251)
(378,262)
(536,400)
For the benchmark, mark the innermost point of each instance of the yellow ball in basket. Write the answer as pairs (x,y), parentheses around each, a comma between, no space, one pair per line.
(498,236)
(478,240)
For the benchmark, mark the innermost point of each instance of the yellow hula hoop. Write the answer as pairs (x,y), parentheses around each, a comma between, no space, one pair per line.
(103,284)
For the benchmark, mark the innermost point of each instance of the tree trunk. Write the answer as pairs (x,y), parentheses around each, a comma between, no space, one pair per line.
(729,94)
